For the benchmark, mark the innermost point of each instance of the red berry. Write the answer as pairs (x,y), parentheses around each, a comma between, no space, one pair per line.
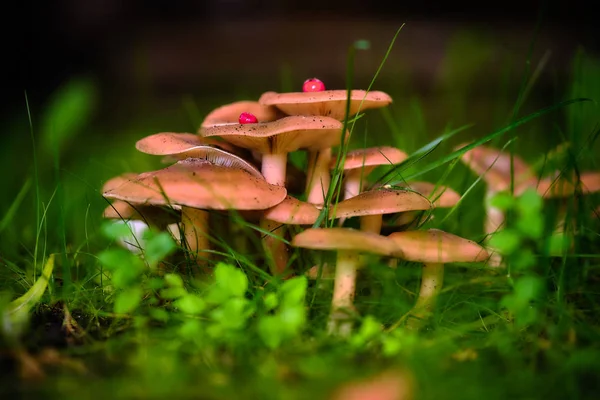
(313,85)
(247,118)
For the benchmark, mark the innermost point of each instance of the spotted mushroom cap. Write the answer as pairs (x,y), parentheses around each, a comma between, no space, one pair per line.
(380,202)
(442,196)
(436,246)
(369,158)
(198,183)
(559,186)
(281,136)
(494,166)
(183,145)
(229,113)
(292,211)
(329,103)
(345,239)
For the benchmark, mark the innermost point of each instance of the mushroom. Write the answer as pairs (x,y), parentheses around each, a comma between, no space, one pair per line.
(348,243)
(433,248)
(358,164)
(230,113)
(198,185)
(314,100)
(370,206)
(330,103)
(559,186)
(274,140)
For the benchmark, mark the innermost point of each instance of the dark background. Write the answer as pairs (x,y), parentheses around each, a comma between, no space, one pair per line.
(196,44)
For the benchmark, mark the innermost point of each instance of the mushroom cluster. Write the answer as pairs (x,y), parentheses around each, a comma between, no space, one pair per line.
(237,164)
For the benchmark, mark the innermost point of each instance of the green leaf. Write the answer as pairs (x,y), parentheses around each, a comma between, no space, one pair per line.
(292,319)
(157,246)
(229,282)
(16,314)
(502,201)
(67,113)
(269,330)
(173,293)
(506,241)
(115,229)
(293,291)
(558,244)
(531,225)
(190,304)
(530,202)
(232,314)
(128,300)
(173,280)
(159,314)
(270,301)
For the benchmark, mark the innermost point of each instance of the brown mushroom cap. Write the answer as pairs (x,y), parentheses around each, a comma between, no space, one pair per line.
(442,196)
(345,239)
(371,157)
(281,136)
(182,145)
(561,187)
(436,246)
(118,181)
(198,183)
(380,202)
(292,211)
(230,113)
(497,164)
(330,103)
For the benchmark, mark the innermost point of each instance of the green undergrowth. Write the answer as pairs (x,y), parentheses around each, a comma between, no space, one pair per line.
(130,325)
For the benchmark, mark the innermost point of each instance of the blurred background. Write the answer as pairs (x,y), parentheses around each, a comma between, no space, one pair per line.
(101,74)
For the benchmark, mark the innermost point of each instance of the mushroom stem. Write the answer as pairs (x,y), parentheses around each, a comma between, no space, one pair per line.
(343,292)
(274,167)
(194,223)
(318,176)
(432,281)
(371,223)
(275,249)
(353,184)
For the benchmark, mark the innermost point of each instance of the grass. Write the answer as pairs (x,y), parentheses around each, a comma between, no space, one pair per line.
(532,333)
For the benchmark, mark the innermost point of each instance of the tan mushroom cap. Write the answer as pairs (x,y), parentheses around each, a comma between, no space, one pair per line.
(230,113)
(198,183)
(436,246)
(442,196)
(181,144)
(292,211)
(283,135)
(480,158)
(346,239)
(117,181)
(562,187)
(371,157)
(330,103)
(380,202)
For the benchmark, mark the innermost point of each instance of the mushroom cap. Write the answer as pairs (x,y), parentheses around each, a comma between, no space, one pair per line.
(497,164)
(345,239)
(436,246)
(330,103)
(553,187)
(120,209)
(371,157)
(442,196)
(292,211)
(283,135)
(198,183)
(380,202)
(117,181)
(182,145)
(230,113)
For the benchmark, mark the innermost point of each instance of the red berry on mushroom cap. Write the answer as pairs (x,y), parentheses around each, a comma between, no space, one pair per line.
(247,118)
(313,85)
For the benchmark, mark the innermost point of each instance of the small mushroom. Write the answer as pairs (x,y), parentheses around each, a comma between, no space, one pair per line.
(198,185)
(358,164)
(349,244)
(370,206)
(230,113)
(433,248)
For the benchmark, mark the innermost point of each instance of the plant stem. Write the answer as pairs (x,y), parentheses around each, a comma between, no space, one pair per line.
(194,223)
(273,168)
(371,223)
(275,249)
